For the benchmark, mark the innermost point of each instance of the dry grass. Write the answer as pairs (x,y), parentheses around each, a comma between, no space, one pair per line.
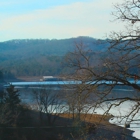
(104,130)
(102,123)
(91,118)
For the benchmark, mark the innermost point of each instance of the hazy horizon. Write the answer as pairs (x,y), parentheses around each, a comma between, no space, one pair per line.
(56,19)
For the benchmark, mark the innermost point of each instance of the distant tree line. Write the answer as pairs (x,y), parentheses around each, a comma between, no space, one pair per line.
(39,57)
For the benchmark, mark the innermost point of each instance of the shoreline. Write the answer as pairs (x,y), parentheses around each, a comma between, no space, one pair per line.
(104,127)
(123,126)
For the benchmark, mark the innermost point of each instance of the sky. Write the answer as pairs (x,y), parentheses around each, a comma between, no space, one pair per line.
(53,19)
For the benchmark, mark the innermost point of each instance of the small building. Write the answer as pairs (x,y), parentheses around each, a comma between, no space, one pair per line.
(47,78)
(51,78)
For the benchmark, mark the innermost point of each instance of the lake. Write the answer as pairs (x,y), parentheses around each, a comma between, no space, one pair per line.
(26,94)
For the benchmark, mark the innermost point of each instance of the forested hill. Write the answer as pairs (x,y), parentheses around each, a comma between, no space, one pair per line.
(40,56)
(33,47)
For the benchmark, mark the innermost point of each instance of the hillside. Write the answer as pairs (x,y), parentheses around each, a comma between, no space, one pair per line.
(30,47)
(36,57)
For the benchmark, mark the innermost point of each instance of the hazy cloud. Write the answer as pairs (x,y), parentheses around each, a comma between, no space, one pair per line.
(64,21)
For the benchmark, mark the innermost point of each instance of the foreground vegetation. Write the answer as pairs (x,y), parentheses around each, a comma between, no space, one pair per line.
(21,122)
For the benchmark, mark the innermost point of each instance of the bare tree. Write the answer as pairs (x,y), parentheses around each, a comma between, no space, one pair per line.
(119,66)
(70,99)
(123,64)
(83,64)
(50,104)
(77,100)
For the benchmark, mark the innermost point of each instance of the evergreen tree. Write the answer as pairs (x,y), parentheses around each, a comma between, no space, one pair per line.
(12,97)
(11,106)
(1,86)
(1,77)
(12,114)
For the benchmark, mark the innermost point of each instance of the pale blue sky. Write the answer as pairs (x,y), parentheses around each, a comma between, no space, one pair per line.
(55,19)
